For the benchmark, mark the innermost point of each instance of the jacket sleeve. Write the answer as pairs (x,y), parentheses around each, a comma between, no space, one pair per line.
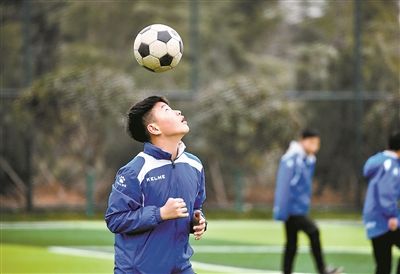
(125,212)
(387,188)
(282,192)
(371,166)
(201,195)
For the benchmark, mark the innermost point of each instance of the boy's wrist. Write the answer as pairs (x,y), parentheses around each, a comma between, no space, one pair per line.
(159,216)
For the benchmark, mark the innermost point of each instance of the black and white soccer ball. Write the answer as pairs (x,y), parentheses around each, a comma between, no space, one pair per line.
(158,48)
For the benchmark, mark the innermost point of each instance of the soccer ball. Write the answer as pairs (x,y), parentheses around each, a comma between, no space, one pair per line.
(158,48)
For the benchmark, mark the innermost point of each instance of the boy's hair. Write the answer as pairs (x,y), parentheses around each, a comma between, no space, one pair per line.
(394,141)
(138,118)
(309,133)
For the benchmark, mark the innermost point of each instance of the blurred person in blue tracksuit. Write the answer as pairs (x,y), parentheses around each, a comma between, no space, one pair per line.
(293,197)
(156,199)
(381,212)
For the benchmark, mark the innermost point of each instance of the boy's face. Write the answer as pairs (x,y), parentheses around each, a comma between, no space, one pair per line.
(167,122)
(311,145)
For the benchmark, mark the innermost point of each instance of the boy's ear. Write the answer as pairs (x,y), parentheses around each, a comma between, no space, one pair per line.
(153,129)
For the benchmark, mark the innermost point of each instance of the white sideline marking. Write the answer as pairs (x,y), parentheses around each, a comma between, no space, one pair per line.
(360,250)
(107,255)
(101,225)
(231,269)
(246,249)
(81,252)
(276,249)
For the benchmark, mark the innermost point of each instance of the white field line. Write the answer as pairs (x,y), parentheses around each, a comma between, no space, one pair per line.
(101,225)
(81,252)
(251,249)
(107,255)
(277,249)
(231,269)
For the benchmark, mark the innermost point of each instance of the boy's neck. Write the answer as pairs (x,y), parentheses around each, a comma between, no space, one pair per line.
(303,147)
(169,145)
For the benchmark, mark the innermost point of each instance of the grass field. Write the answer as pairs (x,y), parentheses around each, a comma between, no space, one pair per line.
(243,246)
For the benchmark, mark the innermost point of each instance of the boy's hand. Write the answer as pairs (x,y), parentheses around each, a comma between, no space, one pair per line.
(393,223)
(174,208)
(199,225)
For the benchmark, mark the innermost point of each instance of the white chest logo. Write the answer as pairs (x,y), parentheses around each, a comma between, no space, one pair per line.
(155,178)
(121,181)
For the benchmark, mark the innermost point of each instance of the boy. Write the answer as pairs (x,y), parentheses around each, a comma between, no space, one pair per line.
(292,198)
(381,213)
(157,197)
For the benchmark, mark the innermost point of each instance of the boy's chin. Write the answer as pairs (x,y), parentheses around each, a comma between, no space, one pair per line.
(186,131)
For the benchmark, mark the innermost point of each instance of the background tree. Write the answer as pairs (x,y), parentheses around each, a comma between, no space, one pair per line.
(257,59)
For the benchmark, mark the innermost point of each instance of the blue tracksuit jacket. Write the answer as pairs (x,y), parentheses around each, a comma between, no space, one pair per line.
(143,242)
(381,203)
(293,183)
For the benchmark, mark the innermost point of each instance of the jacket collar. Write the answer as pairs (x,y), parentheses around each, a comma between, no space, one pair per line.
(295,148)
(390,154)
(160,154)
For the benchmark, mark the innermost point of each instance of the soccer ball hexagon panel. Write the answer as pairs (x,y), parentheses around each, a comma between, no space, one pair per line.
(158,48)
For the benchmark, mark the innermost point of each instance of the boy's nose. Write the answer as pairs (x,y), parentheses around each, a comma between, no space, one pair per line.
(178,112)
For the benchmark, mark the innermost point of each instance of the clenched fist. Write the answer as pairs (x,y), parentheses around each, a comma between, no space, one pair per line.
(174,208)
(199,225)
